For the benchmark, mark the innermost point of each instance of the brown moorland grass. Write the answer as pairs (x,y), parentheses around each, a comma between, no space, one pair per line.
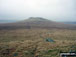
(32,42)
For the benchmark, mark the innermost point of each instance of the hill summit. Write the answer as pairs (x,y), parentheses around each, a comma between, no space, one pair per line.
(36,19)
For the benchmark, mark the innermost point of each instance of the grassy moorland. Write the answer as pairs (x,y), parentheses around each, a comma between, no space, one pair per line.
(32,42)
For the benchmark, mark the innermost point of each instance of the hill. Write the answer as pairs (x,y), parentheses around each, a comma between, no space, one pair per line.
(36,22)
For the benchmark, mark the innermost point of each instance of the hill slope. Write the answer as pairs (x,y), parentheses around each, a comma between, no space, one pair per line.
(37,22)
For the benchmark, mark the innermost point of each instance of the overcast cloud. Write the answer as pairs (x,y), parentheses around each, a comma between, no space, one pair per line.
(57,10)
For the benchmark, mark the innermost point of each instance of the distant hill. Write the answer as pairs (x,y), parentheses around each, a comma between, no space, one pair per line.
(70,22)
(7,21)
(37,22)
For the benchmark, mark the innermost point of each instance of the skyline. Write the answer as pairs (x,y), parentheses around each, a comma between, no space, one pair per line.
(56,10)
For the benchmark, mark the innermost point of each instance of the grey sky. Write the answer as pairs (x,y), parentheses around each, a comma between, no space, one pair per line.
(58,10)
